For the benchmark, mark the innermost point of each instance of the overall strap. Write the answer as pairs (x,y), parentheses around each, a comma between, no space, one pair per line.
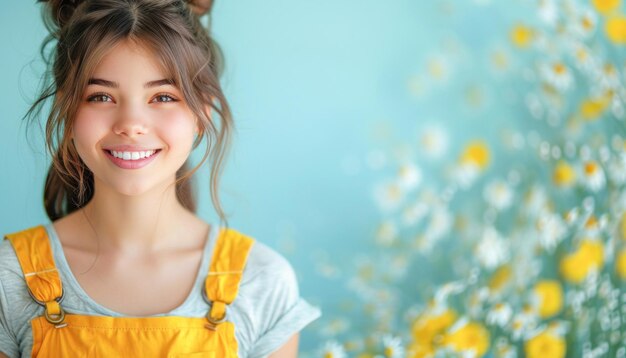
(225,272)
(34,254)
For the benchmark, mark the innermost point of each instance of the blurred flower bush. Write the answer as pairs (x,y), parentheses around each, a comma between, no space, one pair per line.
(523,258)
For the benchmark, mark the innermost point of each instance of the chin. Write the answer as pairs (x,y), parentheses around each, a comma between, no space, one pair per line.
(131,188)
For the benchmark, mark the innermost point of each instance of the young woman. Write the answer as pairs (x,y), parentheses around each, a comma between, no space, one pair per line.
(126,267)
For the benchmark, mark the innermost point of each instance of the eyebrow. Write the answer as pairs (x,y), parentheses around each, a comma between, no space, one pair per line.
(107,83)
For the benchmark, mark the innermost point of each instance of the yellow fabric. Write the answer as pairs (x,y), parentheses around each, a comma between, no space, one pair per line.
(93,336)
(101,336)
(229,259)
(35,256)
(53,307)
(218,310)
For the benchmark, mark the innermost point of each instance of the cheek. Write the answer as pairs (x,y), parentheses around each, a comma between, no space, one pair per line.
(86,130)
(178,130)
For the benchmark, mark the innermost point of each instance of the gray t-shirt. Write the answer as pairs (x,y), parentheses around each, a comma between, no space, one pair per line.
(268,309)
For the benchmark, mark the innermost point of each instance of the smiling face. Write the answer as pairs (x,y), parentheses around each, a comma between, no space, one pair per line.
(133,128)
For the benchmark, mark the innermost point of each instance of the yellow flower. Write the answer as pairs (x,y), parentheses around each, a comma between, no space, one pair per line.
(593,250)
(472,336)
(620,264)
(564,174)
(521,35)
(476,152)
(545,345)
(427,331)
(605,6)
(427,326)
(572,270)
(592,108)
(500,278)
(576,266)
(550,295)
(616,29)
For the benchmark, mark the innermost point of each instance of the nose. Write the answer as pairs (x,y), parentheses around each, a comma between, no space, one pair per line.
(132,122)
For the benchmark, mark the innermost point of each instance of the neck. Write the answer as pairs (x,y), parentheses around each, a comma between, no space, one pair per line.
(139,223)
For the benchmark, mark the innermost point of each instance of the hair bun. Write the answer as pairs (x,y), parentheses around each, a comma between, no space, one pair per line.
(200,7)
(59,12)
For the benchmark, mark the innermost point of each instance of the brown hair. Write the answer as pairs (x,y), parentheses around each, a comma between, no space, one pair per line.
(84,31)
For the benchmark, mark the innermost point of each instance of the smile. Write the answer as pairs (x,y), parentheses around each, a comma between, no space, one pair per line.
(133,155)
(132,159)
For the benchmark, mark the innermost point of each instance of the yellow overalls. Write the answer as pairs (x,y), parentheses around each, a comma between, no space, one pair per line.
(61,334)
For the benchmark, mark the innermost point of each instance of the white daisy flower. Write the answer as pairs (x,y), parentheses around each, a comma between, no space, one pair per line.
(558,75)
(504,349)
(535,201)
(335,327)
(386,233)
(547,11)
(439,224)
(618,144)
(389,196)
(609,77)
(552,230)
(397,266)
(584,25)
(414,213)
(466,174)
(572,216)
(500,314)
(617,169)
(593,176)
(393,346)
(439,68)
(523,323)
(332,349)
(498,194)
(492,250)
(617,103)
(433,142)
(527,269)
(559,327)
(409,176)
(583,57)
(326,269)
(499,61)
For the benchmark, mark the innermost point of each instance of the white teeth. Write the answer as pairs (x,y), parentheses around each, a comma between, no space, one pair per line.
(133,155)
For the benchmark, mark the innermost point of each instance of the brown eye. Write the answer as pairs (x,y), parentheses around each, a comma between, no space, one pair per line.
(99,97)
